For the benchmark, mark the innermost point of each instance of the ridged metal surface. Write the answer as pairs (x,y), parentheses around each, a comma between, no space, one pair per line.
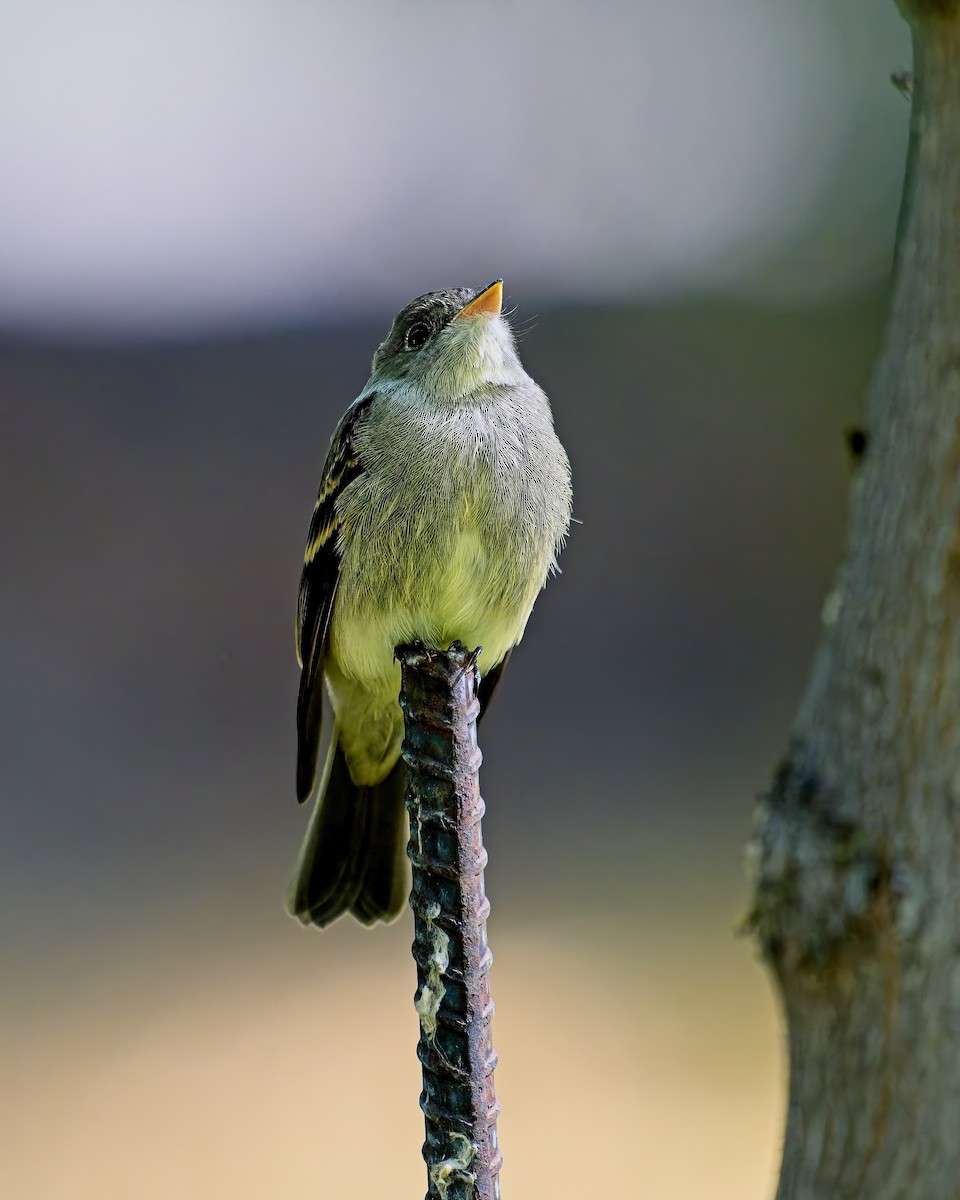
(440,706)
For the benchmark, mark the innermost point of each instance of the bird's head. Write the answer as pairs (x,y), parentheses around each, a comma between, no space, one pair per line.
(450,343)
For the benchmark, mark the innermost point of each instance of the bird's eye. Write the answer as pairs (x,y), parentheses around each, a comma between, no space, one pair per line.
(417,335)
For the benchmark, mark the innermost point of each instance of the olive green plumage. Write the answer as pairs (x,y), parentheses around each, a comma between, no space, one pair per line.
(444,500)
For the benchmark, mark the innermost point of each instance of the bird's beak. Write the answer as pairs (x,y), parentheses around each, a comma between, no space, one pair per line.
(489,301)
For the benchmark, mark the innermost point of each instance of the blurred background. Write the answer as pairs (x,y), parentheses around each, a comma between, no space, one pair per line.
(209,214)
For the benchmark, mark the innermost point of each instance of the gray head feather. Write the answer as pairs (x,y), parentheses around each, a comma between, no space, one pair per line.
(427,348)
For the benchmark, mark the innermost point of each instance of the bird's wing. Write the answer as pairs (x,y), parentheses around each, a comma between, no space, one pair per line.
(489,681)
(318,589)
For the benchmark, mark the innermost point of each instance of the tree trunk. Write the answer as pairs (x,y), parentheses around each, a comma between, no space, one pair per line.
(856,853)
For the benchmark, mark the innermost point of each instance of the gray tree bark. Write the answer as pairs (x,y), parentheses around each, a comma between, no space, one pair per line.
(856,852)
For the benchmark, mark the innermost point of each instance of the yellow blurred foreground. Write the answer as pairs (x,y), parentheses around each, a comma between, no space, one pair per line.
(289,1071)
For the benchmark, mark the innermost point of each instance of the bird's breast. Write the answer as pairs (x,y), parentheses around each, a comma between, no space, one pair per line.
(444,538)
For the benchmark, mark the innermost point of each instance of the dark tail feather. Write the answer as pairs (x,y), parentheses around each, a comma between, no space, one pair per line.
(353,858)
(385,886)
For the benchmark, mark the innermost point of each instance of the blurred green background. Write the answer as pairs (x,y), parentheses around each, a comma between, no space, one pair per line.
(208,220)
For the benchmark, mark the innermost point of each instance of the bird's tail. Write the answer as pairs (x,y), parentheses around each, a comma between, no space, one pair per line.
(353,858)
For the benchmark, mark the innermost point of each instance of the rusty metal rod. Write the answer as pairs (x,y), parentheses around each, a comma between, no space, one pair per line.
(440,707)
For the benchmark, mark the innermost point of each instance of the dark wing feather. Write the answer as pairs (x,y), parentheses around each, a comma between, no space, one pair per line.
(489,681)
(318,589)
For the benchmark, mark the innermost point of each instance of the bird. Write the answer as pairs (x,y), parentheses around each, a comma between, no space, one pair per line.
(444,501)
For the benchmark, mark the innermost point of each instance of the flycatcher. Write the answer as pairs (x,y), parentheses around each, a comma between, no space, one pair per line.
(444,500)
